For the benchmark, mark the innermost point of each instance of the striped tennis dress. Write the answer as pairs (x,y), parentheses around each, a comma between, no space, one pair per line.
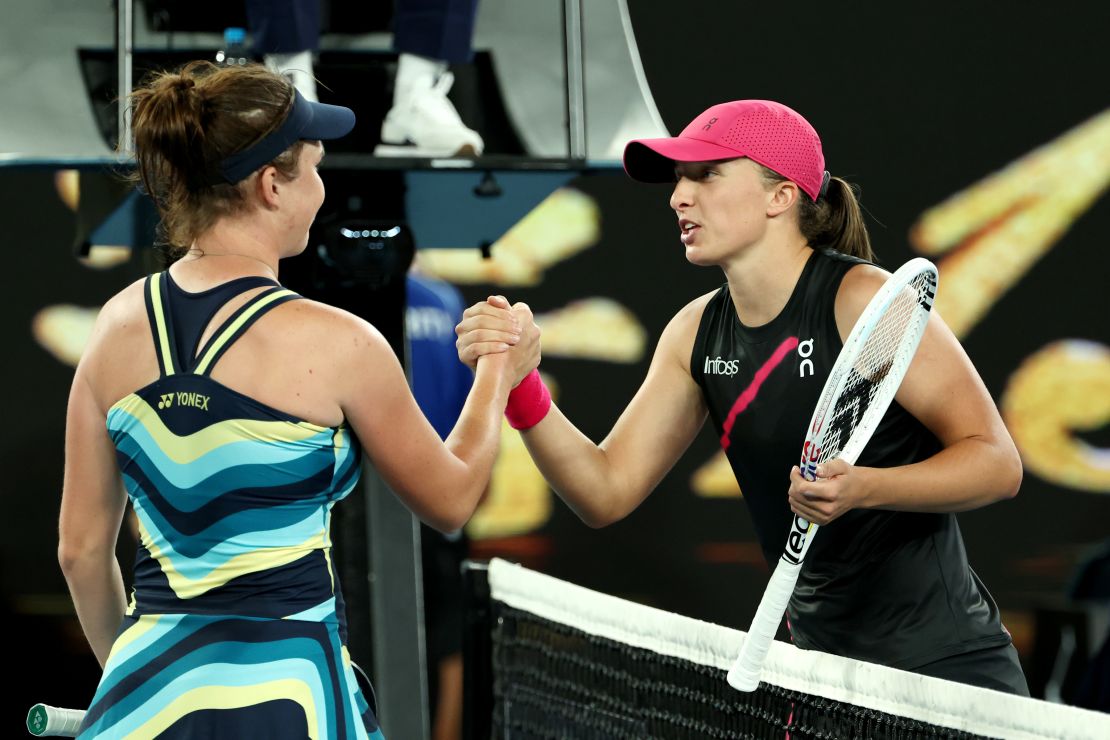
(236,627)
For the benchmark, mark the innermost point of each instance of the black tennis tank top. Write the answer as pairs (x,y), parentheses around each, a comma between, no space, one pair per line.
(882,586)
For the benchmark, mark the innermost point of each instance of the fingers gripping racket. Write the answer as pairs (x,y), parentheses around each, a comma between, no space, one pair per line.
(861,385)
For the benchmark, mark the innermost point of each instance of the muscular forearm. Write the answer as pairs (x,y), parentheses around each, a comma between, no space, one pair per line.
(96,585)
(578,470)
(475,440)
(966,475)
(602,483)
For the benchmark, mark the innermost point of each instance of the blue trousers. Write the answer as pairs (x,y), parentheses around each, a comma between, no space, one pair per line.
(438,29)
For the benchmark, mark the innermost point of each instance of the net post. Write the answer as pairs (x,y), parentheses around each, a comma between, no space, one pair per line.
(477,652)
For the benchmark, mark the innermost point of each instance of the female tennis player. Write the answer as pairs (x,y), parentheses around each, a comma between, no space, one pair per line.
(887,578)
(235,411)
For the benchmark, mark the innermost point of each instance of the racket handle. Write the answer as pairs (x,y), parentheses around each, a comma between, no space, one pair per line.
(43,721)
(745,672)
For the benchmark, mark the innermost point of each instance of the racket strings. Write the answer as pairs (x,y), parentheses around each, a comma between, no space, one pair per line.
(882,350)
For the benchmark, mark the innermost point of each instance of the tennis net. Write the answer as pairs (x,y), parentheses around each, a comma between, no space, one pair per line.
(561,661)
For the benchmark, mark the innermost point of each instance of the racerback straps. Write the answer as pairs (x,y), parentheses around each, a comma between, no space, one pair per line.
(222,338)
(160,325)
(237,323)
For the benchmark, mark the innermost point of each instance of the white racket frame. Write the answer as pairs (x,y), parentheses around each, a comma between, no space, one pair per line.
(745,672)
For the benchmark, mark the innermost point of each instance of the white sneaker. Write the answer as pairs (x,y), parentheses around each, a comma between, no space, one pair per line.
(298,68)
(424,123)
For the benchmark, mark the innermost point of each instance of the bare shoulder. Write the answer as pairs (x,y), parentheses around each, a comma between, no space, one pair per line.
(125,305)
(862,282)
(344,358)
(319,326)
(123,316)
(685,323)
(859,286)
(678,337)
(119,356)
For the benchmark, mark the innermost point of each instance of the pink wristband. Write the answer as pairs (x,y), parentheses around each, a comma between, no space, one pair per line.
(529,402)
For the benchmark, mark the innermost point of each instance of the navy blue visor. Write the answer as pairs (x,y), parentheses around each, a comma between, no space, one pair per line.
(307,121)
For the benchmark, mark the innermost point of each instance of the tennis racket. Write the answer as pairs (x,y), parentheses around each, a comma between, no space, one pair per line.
(46,721)
(861,385)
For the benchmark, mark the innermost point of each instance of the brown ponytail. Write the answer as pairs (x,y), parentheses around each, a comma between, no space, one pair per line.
(835,221)
(186,123)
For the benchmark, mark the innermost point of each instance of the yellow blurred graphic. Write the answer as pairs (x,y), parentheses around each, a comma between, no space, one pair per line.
(64,330)
(562,225)
(67,183)
(1062,389)
(998,228)
(715,479)
(593,329)
(993,233)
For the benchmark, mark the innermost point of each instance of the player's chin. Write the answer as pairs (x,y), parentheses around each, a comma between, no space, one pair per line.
(297,248)
(699,256)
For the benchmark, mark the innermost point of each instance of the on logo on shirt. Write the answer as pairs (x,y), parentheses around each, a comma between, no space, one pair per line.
(805,349)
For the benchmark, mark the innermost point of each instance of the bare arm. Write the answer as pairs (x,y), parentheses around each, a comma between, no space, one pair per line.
(93,502)
(440,481)
(604,483)
(978,464)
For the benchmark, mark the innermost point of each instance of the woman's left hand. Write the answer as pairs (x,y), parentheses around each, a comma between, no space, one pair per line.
(839,488)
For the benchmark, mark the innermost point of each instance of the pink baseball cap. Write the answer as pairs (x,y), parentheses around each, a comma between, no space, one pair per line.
(767,132)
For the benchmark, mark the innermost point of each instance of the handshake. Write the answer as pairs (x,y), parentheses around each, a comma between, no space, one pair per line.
(495,328)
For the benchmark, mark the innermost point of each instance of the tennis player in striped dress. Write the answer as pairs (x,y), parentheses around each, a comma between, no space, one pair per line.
(235,412)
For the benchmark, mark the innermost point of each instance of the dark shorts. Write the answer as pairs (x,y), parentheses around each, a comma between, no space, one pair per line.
(995,668)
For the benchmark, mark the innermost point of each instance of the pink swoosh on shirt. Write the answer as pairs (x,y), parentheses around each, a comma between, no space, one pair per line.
(749,393)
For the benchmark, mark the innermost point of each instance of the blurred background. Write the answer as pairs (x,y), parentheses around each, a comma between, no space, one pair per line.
(978,132)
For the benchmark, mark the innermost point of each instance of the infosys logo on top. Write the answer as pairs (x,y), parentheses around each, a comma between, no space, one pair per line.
(721,367)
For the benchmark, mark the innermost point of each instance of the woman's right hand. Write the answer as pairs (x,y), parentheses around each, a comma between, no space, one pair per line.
(494,327)
(525,355)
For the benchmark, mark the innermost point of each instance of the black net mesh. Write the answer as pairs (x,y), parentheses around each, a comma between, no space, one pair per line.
(555,681)
(550,659)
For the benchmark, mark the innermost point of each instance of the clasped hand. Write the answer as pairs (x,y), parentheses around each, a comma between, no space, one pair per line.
(494,327)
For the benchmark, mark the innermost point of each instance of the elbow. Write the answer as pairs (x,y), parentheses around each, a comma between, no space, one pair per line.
(597,512)
(73,556)
(82,549)
(457,515)
(68,558)
(1008,472)
(451,523)
(594,521)
(1015,472)
(598,518)
(447,519)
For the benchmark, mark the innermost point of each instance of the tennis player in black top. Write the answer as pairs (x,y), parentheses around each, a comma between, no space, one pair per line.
(887,578)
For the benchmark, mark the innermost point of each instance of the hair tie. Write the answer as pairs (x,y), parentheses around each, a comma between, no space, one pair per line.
(824,184)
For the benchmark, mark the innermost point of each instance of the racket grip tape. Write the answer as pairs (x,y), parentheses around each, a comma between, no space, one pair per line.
(46,721)
(745,672)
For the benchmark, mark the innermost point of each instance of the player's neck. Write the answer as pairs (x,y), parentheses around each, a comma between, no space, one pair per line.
(242,246)
(762,280)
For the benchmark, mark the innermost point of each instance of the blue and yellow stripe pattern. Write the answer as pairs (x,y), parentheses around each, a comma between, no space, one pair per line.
(235,626)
